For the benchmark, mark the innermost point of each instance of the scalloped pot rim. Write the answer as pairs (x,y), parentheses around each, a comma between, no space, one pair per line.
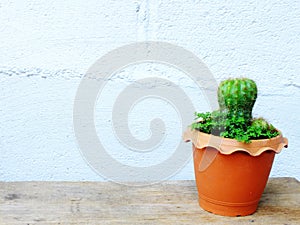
(228,146)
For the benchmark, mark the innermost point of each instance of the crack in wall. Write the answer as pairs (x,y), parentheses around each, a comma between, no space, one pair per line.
(143,20)
(292,85)
(37,72)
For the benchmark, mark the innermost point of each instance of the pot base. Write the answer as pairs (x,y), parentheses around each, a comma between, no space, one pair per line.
(227,209)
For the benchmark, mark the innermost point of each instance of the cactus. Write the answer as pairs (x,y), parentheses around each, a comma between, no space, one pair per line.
(261,128)
(233,119)
(261,124)
(237,96)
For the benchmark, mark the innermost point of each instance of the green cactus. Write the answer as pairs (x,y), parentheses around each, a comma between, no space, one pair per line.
(237,97)
(233,119)
(261,128)
(261,124)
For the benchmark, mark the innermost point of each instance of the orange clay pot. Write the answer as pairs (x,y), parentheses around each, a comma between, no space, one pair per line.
(230,175)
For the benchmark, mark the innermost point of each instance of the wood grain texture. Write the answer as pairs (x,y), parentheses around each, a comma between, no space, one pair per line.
(171,202)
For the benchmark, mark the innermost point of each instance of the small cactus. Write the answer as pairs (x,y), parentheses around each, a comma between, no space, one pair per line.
(237,97)
(260,127)
(260,124)
(233,119)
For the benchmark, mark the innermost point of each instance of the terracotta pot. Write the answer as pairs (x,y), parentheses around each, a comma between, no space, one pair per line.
(230,175)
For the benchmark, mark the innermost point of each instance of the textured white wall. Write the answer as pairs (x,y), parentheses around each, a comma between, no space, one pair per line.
(47,46)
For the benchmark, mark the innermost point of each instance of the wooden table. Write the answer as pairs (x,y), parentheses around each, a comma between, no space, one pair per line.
(171,202)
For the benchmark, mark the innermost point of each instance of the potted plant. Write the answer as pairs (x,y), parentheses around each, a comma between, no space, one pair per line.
(233,152)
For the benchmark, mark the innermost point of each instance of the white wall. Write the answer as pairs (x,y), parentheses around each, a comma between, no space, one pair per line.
(47,46)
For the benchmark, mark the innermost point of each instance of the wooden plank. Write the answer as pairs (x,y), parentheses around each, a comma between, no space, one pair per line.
(172,202)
